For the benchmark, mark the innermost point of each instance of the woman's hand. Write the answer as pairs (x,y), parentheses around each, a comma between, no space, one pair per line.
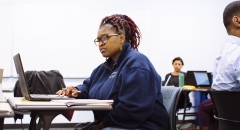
(96,127)
(70,91)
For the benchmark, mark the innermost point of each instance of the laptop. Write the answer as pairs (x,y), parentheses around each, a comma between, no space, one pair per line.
(197,79)
(24,88)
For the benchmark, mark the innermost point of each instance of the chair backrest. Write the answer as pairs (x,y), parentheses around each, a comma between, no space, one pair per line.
(41,82)
(227,109)
(170,100)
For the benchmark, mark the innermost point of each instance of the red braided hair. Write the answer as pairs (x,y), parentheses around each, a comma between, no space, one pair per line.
(123,23)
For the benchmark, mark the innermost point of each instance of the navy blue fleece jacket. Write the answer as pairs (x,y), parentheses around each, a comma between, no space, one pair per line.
(134,85)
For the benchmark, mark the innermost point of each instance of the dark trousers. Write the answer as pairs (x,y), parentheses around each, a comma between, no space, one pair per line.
(205,113)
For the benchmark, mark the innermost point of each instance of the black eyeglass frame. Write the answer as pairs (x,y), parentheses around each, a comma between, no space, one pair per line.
(104,38)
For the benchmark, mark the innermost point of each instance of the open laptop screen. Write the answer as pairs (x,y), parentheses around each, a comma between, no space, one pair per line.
(197,79)
(201,78)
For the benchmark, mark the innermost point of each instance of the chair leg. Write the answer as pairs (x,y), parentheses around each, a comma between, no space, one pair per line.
(196,122)
(185,105)
(39,125)
(47,116)
(1,123)
(32,125)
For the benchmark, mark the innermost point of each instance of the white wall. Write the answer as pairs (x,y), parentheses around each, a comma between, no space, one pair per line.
(190,29)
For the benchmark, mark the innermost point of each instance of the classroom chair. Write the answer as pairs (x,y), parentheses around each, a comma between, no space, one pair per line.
(170,101)
(227,109)
(40,82)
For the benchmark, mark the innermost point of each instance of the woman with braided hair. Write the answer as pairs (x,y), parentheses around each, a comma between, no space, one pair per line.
(127,77)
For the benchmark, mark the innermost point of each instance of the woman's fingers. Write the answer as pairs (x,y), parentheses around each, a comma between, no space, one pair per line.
(75,93)
(61,92)
(70,91)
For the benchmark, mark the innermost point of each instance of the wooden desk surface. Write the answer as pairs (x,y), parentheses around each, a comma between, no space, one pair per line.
(6,110)
(7,89)
(20,103)
(3,100)
(203,89)
(48,110)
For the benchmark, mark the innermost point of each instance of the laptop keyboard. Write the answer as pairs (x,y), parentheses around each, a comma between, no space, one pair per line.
(41,96)
(49,97)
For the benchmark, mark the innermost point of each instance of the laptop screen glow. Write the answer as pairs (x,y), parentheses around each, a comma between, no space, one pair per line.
(201,78)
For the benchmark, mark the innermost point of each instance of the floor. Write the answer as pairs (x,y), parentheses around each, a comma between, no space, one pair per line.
(72,128)
(181,126)
(186,125)
(190,128)
(68,126)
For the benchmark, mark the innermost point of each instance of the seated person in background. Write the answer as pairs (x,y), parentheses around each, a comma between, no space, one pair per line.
(226,71)
(171,79)
(127,76)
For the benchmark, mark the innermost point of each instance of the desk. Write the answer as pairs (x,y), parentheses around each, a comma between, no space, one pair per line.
(47,110)
(3,100)
(9,89)
(204,89)
(5,111)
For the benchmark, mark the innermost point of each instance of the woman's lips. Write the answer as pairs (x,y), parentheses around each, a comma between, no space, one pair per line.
(102,50)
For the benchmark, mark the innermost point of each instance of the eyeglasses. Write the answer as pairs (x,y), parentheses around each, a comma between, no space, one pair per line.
(104,39)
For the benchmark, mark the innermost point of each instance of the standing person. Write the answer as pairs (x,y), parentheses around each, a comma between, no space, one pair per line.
(226,71)
(127,77)
(172,79)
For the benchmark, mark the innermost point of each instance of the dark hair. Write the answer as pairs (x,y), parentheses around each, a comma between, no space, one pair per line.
(177,58)
(230,10)
(124,24)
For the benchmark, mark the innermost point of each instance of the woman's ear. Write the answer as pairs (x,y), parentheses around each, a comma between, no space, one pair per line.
(236,21)
(122,39)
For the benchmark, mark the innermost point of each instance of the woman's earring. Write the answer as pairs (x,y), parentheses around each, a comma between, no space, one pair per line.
(120,48)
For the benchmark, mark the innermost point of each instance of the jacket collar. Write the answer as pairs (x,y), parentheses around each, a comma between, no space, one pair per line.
(110,62)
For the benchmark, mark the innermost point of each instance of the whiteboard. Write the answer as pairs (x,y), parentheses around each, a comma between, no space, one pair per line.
(59,35)
(6,39)
(61,38)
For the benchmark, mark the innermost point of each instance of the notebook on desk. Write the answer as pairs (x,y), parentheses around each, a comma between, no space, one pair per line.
(24,88)
(197,79)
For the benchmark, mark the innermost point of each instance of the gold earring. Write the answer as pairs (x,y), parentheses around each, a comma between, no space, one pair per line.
(120,48)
